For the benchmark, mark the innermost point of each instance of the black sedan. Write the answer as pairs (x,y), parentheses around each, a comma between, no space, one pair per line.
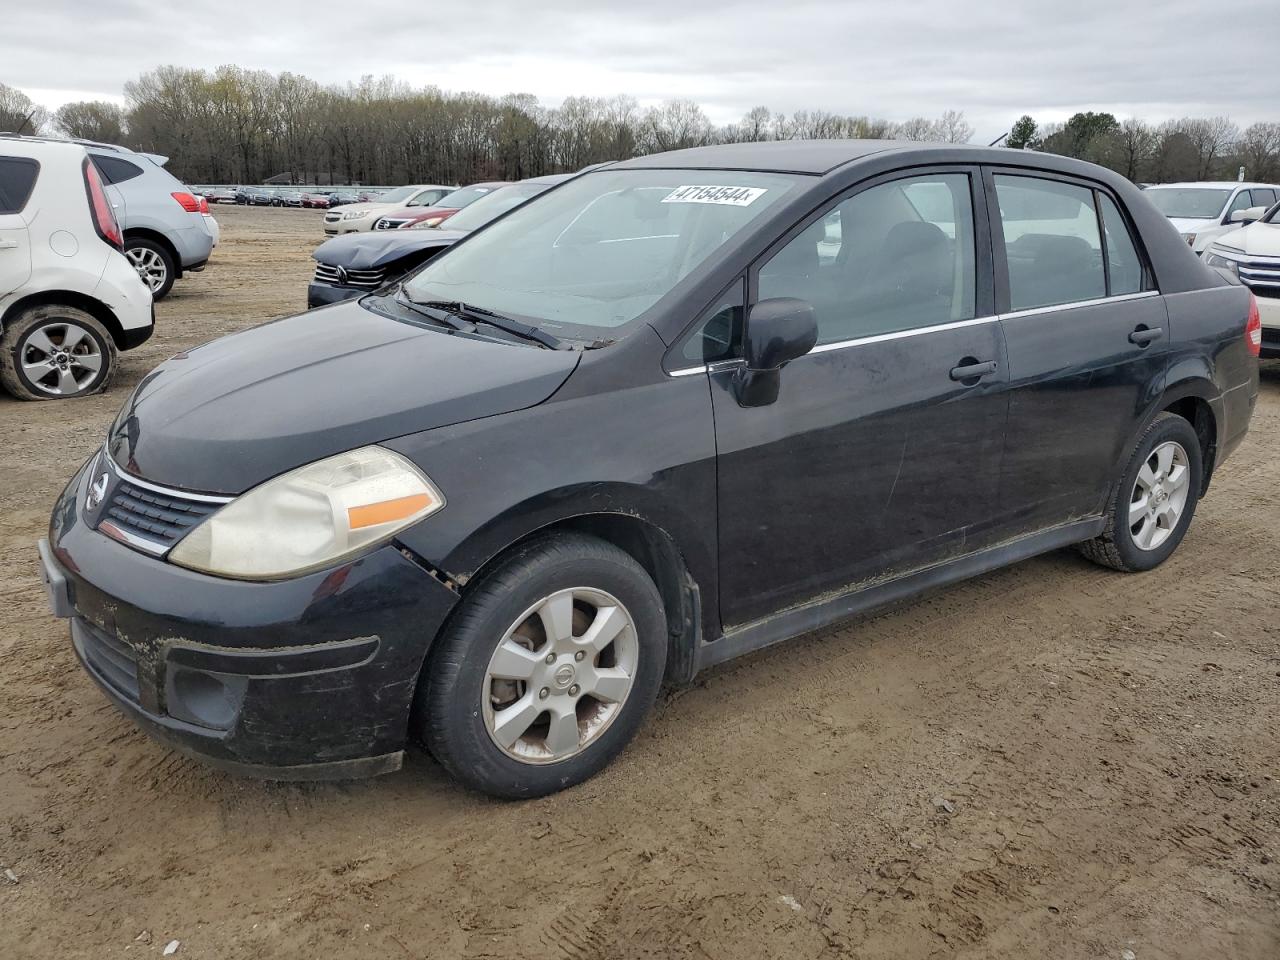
(670,412)
(356,263)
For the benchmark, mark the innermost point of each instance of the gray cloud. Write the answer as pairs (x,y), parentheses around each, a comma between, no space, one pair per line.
(1044,57)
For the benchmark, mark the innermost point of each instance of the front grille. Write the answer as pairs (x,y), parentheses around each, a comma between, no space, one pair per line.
(109,656)
(388,223)
(1262,274)
(332,217)
(160,518)
(342,277)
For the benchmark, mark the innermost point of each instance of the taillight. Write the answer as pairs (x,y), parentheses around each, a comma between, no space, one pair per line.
(1253,329)
(204,204)
(104,219)
(187,202)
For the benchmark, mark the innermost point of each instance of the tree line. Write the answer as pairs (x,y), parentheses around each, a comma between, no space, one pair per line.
(233,125)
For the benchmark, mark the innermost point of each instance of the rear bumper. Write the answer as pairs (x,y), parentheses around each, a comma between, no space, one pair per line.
(301,679)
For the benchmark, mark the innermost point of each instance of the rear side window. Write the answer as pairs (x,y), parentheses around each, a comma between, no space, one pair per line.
(115,170)
(17,180)
(1052,242)
(896,256)
(1263,198)
(1124,266)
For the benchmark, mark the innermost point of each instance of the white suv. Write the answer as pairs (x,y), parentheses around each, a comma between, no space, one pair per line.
(1202,212)
(1253,255)
(69,299)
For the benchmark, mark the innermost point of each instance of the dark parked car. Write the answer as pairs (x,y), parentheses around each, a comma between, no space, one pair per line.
(341,199)
(675,410)
(357,263)
(256,197)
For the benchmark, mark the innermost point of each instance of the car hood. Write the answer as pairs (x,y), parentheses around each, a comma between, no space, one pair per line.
(365,251)
(1191,225)
(228,415)
(1257,239)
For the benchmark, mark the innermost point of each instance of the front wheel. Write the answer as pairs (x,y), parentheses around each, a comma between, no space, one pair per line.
(1154,500)
(546,671)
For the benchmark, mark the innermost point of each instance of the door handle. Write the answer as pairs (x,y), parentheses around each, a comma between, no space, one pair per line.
(8,244)
(971,369)
(1145,335)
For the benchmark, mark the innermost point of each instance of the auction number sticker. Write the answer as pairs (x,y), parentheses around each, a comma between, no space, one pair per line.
(733,196)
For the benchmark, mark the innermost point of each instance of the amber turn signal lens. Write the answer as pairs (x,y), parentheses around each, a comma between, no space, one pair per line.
(387,511)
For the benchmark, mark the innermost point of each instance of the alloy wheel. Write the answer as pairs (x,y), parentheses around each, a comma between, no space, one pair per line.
(150,266)
(61,358)
(1159,495)
(560,675)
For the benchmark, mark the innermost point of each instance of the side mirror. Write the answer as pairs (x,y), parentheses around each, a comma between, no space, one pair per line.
(1249,215)
(778,331)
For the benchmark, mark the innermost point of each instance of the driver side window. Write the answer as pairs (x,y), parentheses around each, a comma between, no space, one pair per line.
(896,256)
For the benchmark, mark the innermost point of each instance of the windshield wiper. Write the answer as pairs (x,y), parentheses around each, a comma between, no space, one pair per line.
(435,312)
(480,315)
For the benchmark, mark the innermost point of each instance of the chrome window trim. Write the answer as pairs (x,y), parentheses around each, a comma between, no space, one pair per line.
(167,491)
(935,328)
(901,334)
(1076,304)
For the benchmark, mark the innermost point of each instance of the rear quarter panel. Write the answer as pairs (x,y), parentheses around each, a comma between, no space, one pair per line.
(1209,356)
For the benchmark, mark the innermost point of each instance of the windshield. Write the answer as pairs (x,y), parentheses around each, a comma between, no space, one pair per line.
(1189,203)
(464,197)
(493,206)
(584,260)
(398,195)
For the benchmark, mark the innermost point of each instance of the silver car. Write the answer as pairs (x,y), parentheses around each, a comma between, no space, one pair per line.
(167,226)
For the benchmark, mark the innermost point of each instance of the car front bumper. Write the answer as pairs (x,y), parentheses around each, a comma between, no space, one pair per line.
(323,294)
(309,678)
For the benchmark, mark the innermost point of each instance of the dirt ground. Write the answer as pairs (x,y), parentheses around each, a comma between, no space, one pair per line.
(1106,747)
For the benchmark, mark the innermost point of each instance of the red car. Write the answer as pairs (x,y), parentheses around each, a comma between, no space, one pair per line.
(316,200)
(442,211)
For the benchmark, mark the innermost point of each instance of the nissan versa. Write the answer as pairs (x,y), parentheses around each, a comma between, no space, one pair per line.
(671,411)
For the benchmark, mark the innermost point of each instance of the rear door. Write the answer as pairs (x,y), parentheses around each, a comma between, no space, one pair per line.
(18,176)
(882,452)
(1087,336)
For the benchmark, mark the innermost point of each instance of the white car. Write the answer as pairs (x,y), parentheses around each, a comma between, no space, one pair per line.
(69,298)
(1253,255)
(1203,212)
(358,217)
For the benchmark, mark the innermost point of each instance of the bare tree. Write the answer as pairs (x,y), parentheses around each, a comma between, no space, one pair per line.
(18,114)
(98,120)
(953,128)
(1260,151)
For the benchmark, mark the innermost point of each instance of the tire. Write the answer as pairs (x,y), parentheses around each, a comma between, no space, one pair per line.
(455,710)
(1168,511)
(154,263)
(34,364)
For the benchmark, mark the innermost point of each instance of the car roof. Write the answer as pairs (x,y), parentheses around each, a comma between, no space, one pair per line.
(39,143)
(1211,184)
(550,178)
(781,156)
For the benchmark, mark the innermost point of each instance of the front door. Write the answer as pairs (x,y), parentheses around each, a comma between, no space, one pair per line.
(1087,337)
(882,452)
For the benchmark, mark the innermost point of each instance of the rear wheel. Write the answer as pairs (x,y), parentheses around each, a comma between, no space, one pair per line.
(53,352)
(154,265)
(1155,498)
(547,669)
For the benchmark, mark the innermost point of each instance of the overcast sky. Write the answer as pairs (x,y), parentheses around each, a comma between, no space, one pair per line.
(894,60)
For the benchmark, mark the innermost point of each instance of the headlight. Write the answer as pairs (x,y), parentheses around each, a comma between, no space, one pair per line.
(420,225)
(1215,258)
(433,221)
(354,214)
(311,517)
